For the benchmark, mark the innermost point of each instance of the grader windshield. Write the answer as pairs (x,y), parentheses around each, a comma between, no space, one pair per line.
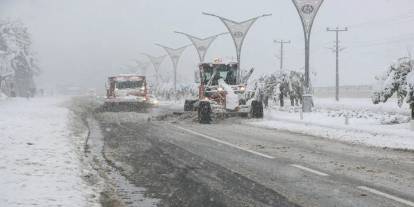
(211,73)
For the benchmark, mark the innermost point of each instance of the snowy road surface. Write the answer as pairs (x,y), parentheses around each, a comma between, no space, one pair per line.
(303,169)
(310,170)
(174,161)
(39,156)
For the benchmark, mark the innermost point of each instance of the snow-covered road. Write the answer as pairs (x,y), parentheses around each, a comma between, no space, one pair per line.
(40,156)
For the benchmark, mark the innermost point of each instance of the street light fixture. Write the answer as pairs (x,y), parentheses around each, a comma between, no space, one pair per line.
(201,44)
(307,10)
(175,55)
(156,63)
(143,66)
(238,31)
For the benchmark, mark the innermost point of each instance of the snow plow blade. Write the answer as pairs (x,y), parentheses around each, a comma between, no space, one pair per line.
(126,107)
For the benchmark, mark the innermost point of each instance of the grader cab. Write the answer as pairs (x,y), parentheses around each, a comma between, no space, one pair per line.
(223,92)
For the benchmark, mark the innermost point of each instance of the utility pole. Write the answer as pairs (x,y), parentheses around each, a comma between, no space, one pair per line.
(337,30)
(282,43)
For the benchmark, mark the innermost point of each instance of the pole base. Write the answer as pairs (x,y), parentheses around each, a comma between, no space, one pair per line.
(412,125)
(307,104)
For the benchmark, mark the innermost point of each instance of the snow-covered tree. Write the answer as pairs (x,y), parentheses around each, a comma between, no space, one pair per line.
(398,80)
(410,96)
(296,86)
(16,58)
(279,85)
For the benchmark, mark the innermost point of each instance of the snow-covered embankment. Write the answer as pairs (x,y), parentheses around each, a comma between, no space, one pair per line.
(40,156)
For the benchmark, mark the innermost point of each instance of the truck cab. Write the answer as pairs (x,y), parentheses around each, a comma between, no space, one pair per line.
(127,87)
(127,93)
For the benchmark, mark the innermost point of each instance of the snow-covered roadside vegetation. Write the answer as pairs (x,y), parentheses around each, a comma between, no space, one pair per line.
(18,64)
(397,81)
(2,96)
(355,121)
(382,120)
(41,155)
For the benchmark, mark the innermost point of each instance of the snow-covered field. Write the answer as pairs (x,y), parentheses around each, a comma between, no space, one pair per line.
(362,104)
(40,156)
(356,121)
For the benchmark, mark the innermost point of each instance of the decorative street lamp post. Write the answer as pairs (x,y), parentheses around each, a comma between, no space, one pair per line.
(238,31)
(201,44)
(175,55)
(307,10)
(156,63)
(143,66)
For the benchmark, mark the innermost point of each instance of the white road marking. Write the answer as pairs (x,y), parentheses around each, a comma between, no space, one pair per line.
(310,170)
(223,142)
(403,201)
(371,190)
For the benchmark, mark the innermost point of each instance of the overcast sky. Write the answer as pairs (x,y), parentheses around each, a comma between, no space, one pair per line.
(80,42)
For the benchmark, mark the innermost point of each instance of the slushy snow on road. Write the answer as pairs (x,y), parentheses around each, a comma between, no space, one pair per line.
(40,156)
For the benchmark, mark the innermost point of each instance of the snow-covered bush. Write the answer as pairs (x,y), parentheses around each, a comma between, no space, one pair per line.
(394,119)
(2,96)
(165,91)
(383,118)
(398,80)
(394,81)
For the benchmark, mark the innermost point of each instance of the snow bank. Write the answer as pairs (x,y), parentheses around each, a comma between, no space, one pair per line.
(2,96)
(39,163)
(351,120)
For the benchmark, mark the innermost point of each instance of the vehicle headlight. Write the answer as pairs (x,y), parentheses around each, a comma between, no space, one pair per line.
(242,88)
(220,89)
